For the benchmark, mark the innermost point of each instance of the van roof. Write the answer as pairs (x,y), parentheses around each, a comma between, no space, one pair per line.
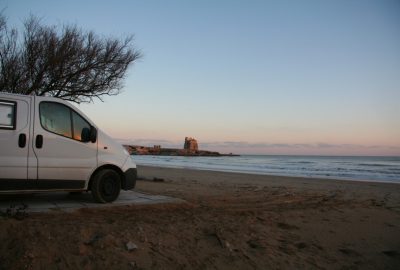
(21,95)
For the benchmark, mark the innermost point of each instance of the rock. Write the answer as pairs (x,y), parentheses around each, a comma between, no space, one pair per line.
(155,179)
(94,239)
(131,246)
(228,246)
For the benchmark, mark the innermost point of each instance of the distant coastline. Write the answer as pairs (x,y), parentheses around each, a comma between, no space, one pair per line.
(159,151)
(190,149)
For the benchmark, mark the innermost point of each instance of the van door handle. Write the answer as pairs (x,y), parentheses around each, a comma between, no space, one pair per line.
(22,140)
(39,141)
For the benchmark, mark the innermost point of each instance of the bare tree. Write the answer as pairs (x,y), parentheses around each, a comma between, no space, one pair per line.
(70,64)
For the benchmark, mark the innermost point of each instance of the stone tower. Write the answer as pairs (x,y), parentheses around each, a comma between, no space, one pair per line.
(191,144)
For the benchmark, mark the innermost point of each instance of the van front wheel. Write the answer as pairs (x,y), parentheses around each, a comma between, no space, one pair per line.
(106,186)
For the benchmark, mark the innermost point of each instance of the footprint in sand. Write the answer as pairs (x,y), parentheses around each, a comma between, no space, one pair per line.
(301,245)
(286,226)
(391,253)
(349,252)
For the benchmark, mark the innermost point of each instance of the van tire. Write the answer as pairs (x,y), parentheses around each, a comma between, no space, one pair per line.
(106,186)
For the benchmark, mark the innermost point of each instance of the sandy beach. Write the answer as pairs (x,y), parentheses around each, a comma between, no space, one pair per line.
(228,221)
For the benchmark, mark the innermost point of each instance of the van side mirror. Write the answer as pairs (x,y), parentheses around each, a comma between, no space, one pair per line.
(89,135)
(93,134)
(85,135)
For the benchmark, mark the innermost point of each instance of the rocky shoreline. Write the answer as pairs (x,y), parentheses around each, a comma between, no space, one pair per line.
(158,151)
(190,149)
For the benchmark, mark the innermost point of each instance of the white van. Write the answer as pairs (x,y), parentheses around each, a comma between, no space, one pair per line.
(46,144)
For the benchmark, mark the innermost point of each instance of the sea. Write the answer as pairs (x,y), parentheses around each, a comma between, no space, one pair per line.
(374,169)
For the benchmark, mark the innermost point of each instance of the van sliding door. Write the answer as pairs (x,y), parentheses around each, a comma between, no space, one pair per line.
(14,142)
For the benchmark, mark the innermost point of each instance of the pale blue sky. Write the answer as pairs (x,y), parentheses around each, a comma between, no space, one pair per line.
(273,77)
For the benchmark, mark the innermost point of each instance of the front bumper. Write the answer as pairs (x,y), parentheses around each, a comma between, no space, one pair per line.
(130,179)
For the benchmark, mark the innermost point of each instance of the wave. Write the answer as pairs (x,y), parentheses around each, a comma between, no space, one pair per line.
(373,169)
(375,165)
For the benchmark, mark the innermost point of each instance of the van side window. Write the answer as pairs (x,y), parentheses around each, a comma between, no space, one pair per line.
(78,124)
(60,119)
(7,115)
